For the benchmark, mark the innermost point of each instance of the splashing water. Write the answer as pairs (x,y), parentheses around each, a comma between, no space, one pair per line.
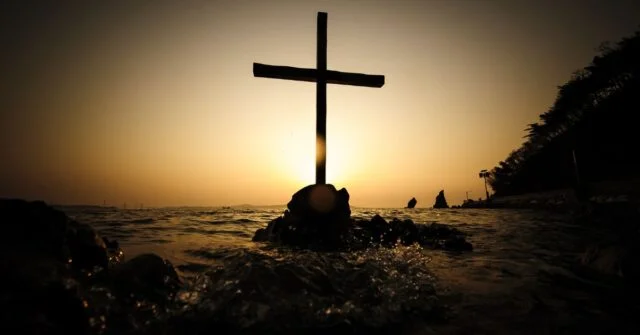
(522,277)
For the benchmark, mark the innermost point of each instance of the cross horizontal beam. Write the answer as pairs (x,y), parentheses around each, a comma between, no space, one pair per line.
(311,75)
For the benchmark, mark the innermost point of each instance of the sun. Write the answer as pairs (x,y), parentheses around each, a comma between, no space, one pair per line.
(298,164)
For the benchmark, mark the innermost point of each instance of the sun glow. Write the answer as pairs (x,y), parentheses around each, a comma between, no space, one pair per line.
(163,108)
(296,162)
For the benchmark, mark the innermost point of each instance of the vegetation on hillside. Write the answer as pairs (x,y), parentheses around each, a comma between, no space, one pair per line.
(592,119)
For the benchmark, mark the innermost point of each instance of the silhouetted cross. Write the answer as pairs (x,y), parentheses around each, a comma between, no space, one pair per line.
(322,77)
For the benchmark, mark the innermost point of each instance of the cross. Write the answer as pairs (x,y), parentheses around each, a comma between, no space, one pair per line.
(321,76)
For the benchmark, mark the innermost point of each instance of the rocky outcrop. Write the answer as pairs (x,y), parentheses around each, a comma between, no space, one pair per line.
(318,218)
(412,203)
(37,230)
(617,258)
(441,201)
(379,232)
(60,277)
(146,277)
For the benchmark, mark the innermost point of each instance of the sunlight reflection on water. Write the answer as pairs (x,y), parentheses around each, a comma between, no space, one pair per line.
(520,273)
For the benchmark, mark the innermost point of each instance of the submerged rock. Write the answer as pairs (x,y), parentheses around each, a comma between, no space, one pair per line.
(328,226)
(51,307)
(379,232)
(412,203)
(617,254)
(441,201)
(147,277)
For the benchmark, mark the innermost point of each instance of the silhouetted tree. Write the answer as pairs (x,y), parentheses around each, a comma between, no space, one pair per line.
(593,116)
(484,174)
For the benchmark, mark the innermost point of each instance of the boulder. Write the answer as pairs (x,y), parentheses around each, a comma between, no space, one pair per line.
(146,277)
(441,202)
(58,276)
(377,228)
(377,232)
(320,201)
(318,216)
(441,236)
(45,257)
(33,228)
(616,253)
(359,234)
(46,308)
(412,203)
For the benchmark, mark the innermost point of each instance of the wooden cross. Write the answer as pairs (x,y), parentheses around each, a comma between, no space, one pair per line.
(322,77)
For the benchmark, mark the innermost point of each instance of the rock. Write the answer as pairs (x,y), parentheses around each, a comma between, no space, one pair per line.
(457,243)
(86,247)
(318,216)
(113,245)
(406,232)
(275,228)
(146,276)
(320,201)
(32,227)
(324,223)
(375,229)
(440,236)
(49,308)
(617,255)
(58,276)
(44,256)
(260,235)
(441,202)
(605,258)
(412,203)
(35,228)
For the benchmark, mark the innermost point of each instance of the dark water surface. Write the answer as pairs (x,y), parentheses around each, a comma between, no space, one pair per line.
(523,277)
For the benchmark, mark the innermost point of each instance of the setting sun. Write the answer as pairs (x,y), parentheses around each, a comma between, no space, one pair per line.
(163,108)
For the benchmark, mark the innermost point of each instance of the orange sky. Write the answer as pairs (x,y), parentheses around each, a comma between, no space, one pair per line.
(155,102)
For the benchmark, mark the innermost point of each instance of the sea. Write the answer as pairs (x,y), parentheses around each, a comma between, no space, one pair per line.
(524,275)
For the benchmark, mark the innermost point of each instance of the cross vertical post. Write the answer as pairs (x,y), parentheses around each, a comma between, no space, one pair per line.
(321,100)
(321,76)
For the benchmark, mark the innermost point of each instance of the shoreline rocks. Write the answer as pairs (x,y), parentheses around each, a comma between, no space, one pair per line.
(303,225)
(317,216)
(33,228)
(61,277)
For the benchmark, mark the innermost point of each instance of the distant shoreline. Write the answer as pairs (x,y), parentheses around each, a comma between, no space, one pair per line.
(599,192)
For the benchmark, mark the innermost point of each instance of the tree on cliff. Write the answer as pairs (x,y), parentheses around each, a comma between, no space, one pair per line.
(592,118)
(484,174)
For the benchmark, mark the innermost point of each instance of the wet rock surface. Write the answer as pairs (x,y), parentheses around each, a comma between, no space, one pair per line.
(303,225)
(61,277)
(527,258)
(308,292)
(618,248)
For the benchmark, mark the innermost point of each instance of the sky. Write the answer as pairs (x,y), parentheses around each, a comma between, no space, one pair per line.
(155,102)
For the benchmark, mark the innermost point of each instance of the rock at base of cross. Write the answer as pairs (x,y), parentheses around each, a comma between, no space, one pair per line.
(441,201)
(412,203)
(318,218)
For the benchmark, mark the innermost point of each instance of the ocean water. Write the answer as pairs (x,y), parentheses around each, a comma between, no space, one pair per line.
(523,276)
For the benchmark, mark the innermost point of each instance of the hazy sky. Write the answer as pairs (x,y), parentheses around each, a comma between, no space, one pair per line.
(155,102)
